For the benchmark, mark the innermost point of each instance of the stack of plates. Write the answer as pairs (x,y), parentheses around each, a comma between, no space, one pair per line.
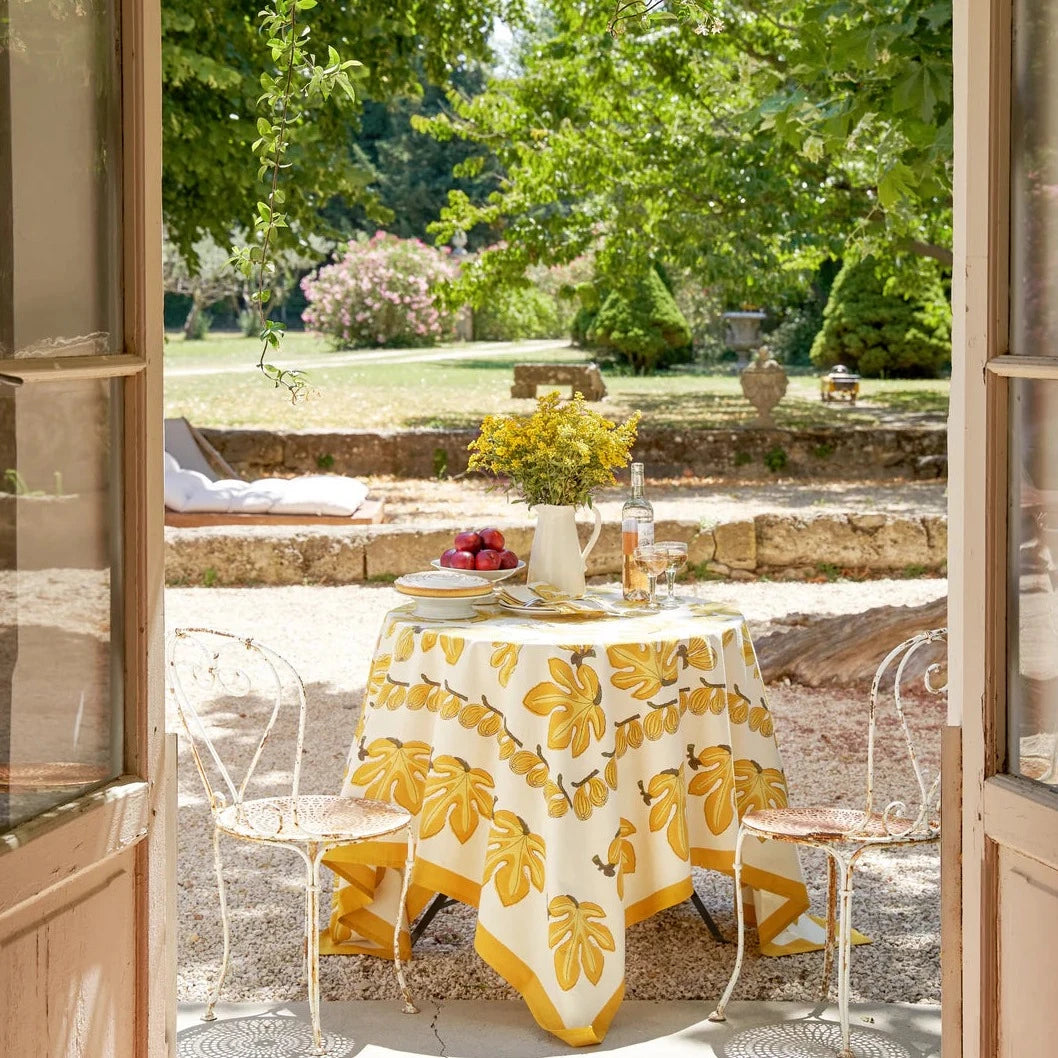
(445,594)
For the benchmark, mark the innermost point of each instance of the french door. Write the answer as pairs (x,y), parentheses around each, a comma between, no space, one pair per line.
(86,949)
(1004,525)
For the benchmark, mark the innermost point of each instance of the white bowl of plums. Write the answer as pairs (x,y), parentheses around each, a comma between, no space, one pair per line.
(482,552)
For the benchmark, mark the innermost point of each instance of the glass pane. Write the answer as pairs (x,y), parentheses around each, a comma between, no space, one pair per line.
(1032,606)
(60,641)
(1034,180)
(60,179)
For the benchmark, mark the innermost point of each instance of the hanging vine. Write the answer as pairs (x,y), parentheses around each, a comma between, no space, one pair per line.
(298,83)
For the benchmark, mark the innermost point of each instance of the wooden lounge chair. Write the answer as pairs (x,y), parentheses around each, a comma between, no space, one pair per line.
(193,452)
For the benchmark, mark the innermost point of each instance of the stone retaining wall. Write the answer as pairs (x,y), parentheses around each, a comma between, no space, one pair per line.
(840,453)
(775,545)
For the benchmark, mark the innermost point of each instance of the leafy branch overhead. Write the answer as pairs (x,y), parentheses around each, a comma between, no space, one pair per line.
(211,64)
(745,140)
(301,83)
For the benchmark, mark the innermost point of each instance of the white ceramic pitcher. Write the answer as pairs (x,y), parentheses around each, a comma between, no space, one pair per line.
(556,556)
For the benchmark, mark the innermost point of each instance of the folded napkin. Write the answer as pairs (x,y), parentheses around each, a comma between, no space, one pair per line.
(540,595)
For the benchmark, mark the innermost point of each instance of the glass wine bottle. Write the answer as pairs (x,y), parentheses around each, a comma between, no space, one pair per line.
(637,527)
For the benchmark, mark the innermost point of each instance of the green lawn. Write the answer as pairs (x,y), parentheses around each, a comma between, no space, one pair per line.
(404,392)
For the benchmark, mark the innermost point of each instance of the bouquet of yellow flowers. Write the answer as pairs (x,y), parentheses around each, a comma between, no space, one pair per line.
(560,454)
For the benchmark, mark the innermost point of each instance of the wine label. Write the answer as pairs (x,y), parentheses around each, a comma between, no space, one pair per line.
(634,533)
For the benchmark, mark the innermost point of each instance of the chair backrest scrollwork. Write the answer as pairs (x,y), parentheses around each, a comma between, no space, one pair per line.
(204,664)
(902,820)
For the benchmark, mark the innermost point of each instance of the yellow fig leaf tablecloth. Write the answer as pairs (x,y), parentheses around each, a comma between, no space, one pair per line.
(565,775)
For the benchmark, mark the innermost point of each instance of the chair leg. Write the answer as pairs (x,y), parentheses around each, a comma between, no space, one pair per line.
(844,956)
(718,1013)
(214,994)
(312,943)
(832,921)
(402,923)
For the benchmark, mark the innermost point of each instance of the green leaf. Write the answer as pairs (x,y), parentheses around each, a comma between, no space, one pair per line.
(813,148)
(896,182)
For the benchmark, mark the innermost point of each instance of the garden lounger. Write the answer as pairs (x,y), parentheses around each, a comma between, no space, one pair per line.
(201,489)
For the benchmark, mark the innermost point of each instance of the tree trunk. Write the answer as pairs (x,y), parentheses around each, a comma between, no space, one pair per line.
(191,320)
(815,651)
(191,324)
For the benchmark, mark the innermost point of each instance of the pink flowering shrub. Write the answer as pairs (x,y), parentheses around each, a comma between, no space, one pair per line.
(380,293)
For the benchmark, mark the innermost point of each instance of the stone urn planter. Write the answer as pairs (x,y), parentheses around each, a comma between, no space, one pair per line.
(743,334)
(764,383)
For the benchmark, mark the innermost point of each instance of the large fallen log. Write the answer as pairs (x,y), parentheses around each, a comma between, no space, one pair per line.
(816,651)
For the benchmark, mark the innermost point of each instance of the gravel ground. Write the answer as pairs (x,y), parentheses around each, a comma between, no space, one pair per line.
(328,634)
(711,501)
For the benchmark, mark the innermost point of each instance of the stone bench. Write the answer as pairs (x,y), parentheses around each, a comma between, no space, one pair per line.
(584,378)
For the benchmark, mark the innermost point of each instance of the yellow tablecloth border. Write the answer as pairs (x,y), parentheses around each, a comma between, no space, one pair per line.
(351,902)
(522,979)
(797,902)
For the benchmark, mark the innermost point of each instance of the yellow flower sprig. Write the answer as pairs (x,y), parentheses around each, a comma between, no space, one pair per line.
(560,454)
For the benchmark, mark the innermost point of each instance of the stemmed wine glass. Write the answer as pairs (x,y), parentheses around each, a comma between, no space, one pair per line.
(652,560)
(676,558)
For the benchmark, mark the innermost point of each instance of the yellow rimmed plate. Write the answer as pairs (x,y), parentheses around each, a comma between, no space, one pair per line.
(444,596)
(442,585)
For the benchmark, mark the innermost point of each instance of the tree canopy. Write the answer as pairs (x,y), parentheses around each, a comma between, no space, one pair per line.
(413,171)
(213,60)
(744,139)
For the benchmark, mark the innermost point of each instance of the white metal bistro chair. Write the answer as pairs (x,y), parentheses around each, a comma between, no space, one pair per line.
(204,666)
(845,834)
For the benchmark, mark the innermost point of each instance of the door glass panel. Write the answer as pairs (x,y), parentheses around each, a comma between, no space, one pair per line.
(1034,180)
(60,179)
(1032,605)
(60,641)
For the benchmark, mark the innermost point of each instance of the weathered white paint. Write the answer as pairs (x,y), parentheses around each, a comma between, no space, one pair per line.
(68,968)
(1028,955)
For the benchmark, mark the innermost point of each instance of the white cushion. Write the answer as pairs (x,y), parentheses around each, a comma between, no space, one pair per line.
(192,492)
(316,494)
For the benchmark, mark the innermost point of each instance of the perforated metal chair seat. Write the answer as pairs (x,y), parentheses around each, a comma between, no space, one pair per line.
(830,825)
(309,817)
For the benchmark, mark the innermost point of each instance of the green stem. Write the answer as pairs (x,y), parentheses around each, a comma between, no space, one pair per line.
(280,146)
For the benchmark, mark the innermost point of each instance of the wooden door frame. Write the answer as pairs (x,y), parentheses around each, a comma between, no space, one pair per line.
(981,94)
(980,123)
(149,753)
(998,810)
(137,810)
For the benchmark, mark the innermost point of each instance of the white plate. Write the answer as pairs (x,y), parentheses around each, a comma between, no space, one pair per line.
(447,595)
(491,575)
(446,609)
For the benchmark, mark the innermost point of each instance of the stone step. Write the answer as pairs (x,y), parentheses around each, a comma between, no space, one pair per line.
(779,545)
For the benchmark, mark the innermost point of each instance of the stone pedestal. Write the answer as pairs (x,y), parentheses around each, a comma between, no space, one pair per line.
(764,383)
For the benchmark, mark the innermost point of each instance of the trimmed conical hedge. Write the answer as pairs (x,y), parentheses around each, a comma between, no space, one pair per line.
(641,324)
(884,335)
